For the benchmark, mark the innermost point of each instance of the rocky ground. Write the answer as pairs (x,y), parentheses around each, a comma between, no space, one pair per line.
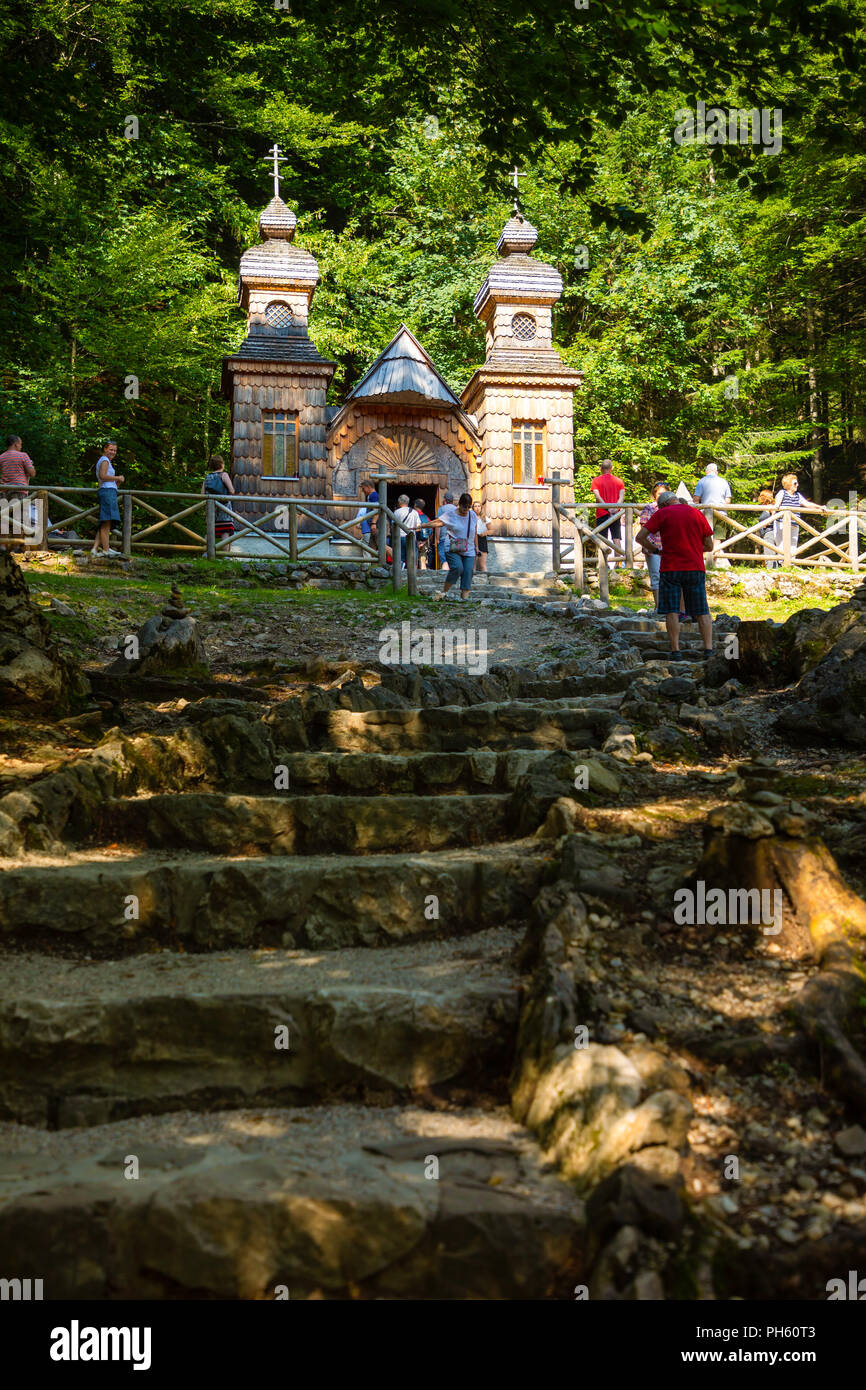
(709,1144)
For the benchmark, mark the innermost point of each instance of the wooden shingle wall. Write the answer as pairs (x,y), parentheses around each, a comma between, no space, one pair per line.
(256,390)
(523,511)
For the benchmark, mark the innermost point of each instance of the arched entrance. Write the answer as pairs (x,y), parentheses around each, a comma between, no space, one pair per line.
(420,463)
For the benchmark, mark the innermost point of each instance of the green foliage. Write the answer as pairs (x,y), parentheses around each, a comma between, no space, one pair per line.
(722,311)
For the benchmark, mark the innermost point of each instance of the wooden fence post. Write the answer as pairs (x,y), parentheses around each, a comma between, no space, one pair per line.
(628,522)
(210,528)
(396,573)
(603,577)
(127,525)
(412,564)
(293,530)
(853,542)
(382,523)
(786,536)
(554,502)
(578,557)
(42,513)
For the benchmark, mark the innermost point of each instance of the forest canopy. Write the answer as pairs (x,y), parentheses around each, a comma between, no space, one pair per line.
(714,292)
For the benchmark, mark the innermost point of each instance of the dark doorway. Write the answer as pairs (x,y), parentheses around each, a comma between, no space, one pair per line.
(430,494)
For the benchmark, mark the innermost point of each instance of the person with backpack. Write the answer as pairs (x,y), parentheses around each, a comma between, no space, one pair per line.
(443,539)
(424,535)
(218,483)
(686,537)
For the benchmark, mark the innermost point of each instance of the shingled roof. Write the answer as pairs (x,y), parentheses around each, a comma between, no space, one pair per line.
(264,343)
(517,277)
(290,344)
(405,371)
(279,262)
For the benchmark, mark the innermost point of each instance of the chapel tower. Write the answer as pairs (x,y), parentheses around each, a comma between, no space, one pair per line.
(277,381)
(523,396)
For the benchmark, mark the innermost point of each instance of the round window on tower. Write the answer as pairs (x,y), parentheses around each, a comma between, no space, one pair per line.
(523,327)
(278,314)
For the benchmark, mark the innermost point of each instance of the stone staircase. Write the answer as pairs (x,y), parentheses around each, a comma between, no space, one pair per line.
(261,993)
(500,584)
(649,634)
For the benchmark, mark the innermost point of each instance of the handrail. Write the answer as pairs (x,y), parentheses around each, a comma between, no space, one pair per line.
(271,508)
(787,536)
(784,536)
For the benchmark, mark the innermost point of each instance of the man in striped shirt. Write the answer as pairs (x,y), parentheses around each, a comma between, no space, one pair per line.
(16,467)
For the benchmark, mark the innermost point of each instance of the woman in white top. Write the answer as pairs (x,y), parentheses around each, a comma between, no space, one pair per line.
(462,526)
(409,518)
(789,495)
(106,480)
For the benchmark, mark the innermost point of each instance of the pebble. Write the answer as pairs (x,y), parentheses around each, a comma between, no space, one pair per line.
(817,1229)
(851,1141)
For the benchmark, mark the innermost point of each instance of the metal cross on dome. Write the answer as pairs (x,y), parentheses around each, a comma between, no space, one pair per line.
(516,174)
(275,159)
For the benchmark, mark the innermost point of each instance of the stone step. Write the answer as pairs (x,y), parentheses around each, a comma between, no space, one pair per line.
(224,824)
(646,640)
(89,1042)
(212,747)
(457,729)
(496,579)
(201,902)
(425,774)
(691,654)
(332,1202)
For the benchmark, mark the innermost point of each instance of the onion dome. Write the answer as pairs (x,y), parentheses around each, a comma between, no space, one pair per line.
(517,277)
(277,221)
(517,235)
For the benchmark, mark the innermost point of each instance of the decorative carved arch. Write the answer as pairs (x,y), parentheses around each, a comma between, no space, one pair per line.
(401,426)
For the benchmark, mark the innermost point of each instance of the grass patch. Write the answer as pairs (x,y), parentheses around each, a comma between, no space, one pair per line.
(736,604)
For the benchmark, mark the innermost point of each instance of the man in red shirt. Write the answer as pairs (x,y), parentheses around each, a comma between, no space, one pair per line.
(686,536)
(16,467)
(607,488)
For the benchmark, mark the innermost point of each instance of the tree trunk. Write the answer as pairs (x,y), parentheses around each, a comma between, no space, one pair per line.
(174,430)
(814,411)
(73,390)
(207,399)
(828,1008)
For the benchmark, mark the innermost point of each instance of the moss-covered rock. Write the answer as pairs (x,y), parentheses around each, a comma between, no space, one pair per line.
(33,672)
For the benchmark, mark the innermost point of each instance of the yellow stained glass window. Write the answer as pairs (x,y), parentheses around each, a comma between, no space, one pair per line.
(280,444)
(527,448)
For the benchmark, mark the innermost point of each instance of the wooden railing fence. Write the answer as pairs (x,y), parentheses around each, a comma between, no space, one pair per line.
(789,537)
